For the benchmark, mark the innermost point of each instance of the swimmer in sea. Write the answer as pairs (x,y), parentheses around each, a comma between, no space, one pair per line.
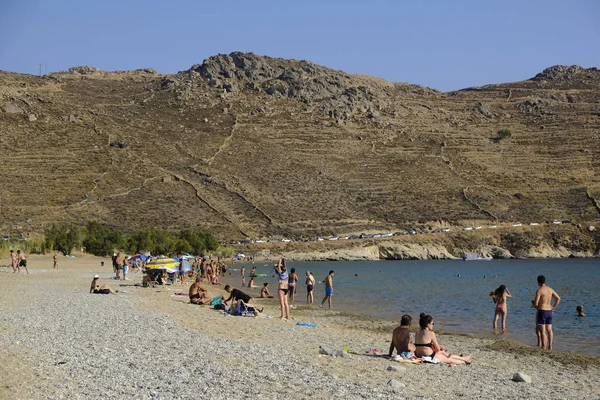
(580,312)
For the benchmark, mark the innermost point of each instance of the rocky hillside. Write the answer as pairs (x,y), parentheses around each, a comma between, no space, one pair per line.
(245,145)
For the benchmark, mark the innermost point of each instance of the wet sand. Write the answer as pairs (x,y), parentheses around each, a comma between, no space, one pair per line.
(45,335)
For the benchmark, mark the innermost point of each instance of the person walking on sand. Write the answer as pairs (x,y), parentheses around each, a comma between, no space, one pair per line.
(283,288)
(310,287)
(55,259)
(544,307)
(328,289)
(401,337)
(21,261)
(13,260)
(499,296)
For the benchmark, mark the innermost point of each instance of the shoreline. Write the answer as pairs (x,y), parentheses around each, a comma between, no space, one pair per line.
(159,337)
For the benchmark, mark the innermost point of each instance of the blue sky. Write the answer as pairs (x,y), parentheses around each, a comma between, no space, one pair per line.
(447,45)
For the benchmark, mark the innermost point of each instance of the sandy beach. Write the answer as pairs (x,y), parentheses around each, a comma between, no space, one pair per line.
(57,341)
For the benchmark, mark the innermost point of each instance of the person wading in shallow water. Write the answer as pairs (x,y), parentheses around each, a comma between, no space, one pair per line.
(310,286)
(545,311)
(499,296)
(328,289)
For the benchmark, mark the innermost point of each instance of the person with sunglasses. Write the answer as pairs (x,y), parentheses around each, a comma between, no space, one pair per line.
(427,345)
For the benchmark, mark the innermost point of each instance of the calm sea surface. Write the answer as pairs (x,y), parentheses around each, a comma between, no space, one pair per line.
(389,289)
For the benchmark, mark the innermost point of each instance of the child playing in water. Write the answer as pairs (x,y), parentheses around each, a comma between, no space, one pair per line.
(499,296)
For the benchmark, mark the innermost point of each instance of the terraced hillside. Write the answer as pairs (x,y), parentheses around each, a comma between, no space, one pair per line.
(244,145)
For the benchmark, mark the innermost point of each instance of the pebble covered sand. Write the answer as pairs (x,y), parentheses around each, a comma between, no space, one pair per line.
(57,341)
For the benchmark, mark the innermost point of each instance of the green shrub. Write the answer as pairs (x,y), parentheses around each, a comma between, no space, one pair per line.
(504,134)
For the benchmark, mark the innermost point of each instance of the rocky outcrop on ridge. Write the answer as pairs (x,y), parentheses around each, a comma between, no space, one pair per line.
(342,94)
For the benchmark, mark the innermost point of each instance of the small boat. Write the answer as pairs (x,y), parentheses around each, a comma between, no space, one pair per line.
(476,257)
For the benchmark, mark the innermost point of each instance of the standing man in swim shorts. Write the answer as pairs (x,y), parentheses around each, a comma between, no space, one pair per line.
(544,307)
(55,258)
(22,261)
(328,289)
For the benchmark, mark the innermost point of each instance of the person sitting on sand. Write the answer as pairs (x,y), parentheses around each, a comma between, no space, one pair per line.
(580,312)
(401,337)
(216,281)
(427,346)
(499,296)
(264,292)
(97,289)
(198,294)
(236,294)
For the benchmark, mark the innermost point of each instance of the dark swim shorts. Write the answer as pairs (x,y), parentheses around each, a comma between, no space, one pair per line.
(23,263)
(543,317)
(309,288)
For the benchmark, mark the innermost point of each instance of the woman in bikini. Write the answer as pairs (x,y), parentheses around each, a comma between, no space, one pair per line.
(499,296)
(283,288)
(427,346)
(97,289)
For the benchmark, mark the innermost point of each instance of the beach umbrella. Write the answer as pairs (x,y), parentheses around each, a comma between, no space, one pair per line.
(168,264)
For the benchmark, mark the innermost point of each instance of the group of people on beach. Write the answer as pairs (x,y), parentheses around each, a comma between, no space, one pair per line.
(544,310)
(18,261)
(426,345)
(287,286)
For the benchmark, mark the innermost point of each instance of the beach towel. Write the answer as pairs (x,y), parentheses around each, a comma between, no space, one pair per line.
(305,324)
(216,300)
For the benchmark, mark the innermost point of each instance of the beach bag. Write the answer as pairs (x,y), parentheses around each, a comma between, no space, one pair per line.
(216,300)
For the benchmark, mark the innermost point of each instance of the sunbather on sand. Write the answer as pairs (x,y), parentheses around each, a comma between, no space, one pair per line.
(264,292)
(97,289)
(401,337)
(427,345)
(198,294)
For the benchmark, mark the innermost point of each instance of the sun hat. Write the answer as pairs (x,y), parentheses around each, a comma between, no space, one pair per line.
(96,276)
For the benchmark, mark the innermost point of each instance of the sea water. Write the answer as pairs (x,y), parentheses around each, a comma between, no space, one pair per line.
(456,294)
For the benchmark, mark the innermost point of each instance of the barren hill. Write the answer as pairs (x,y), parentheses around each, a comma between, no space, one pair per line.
(245,145)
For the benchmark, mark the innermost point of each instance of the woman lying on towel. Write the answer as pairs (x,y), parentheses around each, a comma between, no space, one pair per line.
(427,346)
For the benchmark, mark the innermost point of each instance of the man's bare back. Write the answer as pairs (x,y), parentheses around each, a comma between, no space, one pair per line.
(401,337)
(401,340)
(544,296)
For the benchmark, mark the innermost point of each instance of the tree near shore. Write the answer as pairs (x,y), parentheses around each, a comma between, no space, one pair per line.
(64,237)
